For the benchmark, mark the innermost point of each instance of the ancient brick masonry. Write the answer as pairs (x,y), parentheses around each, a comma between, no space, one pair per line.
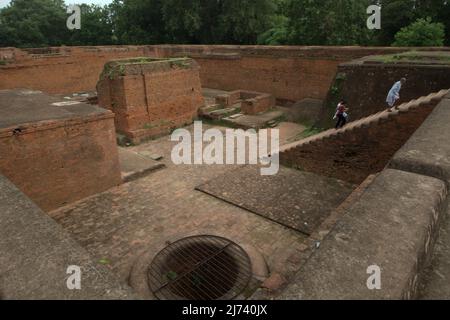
(365,86)
(56,154)
(362,147)
(289,73)
(251,102)
(150,97)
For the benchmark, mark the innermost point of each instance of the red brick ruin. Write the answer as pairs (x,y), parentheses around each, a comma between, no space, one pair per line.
(149,96)
(70,194)
(251,102)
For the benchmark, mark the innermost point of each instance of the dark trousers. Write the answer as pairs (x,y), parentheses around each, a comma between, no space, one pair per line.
(341,121)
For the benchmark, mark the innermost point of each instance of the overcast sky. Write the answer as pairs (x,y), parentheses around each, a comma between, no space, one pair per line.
(100,2)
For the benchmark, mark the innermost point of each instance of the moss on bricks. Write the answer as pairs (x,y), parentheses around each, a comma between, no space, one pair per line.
(118,68)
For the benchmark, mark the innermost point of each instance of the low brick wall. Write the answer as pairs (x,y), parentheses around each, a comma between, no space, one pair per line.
(150,97)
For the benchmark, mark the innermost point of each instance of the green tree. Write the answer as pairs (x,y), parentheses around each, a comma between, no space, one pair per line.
(33,23)
(96,27)
(398,14)
(182,20)
(443,16)
(218,21)
(422,33)
(278,34)
(328,22)
(241,21)
(192,21)
(138,21)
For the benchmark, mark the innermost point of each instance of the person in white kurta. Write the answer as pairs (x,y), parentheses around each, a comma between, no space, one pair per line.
(394,93)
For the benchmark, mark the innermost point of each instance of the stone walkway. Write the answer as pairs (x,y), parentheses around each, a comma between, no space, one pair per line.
(120,225)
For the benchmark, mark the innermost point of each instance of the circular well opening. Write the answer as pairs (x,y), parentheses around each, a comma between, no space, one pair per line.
(200,268)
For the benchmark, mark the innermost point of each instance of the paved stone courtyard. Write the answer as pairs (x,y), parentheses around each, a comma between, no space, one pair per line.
(297,199)
(120,225)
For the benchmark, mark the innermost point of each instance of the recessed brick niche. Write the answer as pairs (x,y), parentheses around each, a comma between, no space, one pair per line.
(251,102)
(150,97)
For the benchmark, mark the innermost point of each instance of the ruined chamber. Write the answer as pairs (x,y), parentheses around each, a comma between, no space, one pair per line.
(149,96)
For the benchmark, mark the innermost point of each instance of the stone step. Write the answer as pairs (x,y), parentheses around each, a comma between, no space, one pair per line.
(134,166)
(206,110)
(223,113)
(272,123)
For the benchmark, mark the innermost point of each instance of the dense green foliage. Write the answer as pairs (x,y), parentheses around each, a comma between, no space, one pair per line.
(33,23)
(37,23)
(333,22)
(421,33)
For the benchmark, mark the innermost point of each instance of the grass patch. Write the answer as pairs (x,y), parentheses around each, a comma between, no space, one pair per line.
(414,56)
(157,124)
(219,123)
(311,131)
(117,68)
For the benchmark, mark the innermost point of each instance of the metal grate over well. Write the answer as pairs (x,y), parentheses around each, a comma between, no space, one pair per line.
(200,268)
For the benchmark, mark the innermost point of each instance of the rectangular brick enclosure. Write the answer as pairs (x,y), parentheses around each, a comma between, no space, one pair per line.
(56,151)
(150,96)
(251,102)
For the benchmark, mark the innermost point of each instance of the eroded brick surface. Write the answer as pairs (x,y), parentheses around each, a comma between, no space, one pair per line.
(54,154)
(150,97)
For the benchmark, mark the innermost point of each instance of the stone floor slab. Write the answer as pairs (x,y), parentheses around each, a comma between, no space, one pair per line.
(296,199)
(134,165)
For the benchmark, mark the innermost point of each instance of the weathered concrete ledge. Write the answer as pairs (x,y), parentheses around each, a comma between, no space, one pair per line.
(427,152)
(392,226)
(36,252)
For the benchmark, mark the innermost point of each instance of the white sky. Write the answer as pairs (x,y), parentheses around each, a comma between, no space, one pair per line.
(3,3)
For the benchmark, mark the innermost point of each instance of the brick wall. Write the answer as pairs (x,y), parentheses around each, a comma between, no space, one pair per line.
(71,69)
(151,99)
(365,87)
(58,162)
(353,154)
(289,73)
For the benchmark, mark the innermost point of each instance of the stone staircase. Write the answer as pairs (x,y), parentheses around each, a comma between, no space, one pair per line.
(362,147)
(218,112)
(431,99)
